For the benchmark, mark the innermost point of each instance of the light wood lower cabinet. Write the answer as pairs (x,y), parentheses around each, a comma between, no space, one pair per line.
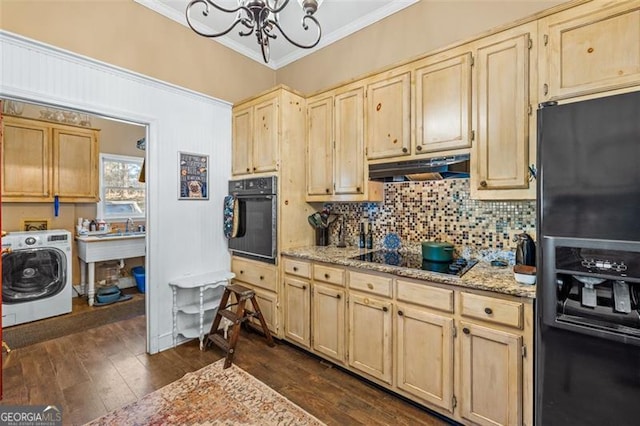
(370,336)
(329,307)
(262,279)
(457,351)
(424,355)
(297,308)
(490,376)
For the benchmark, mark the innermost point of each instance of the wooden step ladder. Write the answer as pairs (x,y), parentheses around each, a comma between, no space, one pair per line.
(218,338)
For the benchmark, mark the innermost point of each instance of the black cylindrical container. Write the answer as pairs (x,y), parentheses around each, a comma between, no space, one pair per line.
(322,236)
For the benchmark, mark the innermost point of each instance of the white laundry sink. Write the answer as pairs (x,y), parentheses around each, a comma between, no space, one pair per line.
(104,247)
(99,248)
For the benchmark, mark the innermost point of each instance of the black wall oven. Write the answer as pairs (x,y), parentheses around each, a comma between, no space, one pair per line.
(257,215)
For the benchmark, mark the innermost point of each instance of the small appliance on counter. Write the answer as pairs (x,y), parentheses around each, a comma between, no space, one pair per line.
(454,266)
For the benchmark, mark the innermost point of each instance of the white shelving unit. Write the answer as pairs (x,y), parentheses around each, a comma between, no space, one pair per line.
(195,301)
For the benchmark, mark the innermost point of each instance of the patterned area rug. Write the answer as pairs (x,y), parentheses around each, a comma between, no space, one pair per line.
(212,396)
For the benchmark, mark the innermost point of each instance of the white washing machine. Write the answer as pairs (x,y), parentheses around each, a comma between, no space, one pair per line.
(36,276)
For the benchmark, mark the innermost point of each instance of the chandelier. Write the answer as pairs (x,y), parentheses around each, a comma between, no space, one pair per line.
(259,17)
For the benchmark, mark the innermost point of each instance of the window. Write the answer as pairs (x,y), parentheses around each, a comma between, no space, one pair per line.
(122,196)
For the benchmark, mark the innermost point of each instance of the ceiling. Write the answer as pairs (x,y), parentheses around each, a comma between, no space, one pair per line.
(338,19)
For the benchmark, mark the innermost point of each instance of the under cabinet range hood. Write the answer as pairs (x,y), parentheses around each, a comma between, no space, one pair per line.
(447,167)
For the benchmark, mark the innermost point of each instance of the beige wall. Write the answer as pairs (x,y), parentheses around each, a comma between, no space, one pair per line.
(426,26)
(126,34)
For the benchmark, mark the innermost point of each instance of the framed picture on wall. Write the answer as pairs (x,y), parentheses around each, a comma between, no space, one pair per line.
(194,176)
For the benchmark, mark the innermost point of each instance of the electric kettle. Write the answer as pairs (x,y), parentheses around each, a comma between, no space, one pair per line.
(525,250)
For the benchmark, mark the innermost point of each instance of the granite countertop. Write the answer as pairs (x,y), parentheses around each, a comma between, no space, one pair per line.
(482,276)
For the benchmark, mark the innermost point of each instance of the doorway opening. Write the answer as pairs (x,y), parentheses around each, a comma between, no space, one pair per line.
(118,288)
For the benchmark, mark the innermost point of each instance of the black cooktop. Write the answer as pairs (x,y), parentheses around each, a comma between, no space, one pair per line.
(415,261)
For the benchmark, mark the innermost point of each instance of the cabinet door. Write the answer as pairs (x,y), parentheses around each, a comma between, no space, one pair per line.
(389,117)
(490,375)
(268,303)
(443,104)
(75,164)
(26,160)
(370,336)
(502,115)
(592,49)
(349,142)
(425,356)
(265,139)
(297,310)
(329,321)
(320,146)
(242,141)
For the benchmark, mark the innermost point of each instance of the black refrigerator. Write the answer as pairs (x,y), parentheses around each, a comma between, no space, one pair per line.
(587,347)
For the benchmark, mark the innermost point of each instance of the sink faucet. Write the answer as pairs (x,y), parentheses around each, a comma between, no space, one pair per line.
(129,225)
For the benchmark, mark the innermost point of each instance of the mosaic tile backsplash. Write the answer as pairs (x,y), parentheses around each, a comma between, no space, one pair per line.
(439,211)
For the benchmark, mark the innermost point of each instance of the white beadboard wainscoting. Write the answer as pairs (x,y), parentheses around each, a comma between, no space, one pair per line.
(183,237)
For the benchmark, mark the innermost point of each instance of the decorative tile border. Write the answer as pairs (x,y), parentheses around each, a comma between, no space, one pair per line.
(441,210)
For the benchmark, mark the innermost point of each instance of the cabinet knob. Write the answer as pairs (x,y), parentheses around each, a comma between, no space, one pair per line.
(261,277)
(248,169)
(326,276)
(488,311)
(378,107)
(466,330)
(295,269)
(304,287)
(327,190)
(254,169)
(370,286)
(405,150)
(419,147)
(545,89)
(358,189)
(400,313)
(483,184)
(241,271)
(338,296)
(385,309)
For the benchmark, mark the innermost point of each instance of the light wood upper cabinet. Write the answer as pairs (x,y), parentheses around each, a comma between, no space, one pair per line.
(26,159)
(490,376)
(388,116)
(590,48)
(370,339)
(424,355)
(349,140)
(297,310)
(320,146)
(75,164)
(242,141)
(265,142)
(329,307)
(505,129)
(443,103)
(256,135)
(335,148)
(42,159)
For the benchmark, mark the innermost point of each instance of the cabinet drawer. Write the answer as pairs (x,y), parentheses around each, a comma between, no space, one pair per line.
(425,295)
(328,274)
(493,310)
(297,267)
(254,273)
(370,283)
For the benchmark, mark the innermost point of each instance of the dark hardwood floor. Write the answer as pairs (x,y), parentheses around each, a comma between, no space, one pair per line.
(91,373)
